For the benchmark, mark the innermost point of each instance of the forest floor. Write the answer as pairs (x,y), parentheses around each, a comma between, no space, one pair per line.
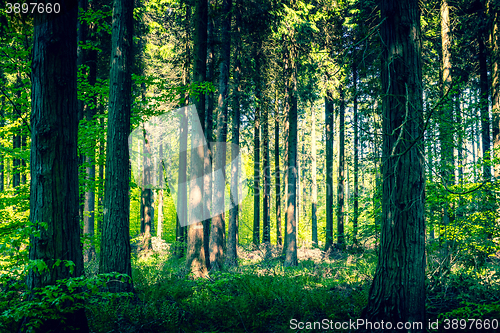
(263,296)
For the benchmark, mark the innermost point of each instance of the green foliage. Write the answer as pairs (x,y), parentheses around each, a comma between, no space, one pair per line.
(52,302)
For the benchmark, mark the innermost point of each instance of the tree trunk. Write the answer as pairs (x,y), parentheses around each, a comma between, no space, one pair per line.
(356,155)
(329,170)
(54,161)
(495,86)
(196,254)
(232,240)
(218,228)
(397,293)
(314,204)
(277,172)
(182,199)
(256,170)
(485,116)
(115,241)
(291,222)
(147,218)
(266,202)
(341,177)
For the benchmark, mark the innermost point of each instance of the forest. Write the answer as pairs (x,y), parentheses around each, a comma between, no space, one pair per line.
(249,166)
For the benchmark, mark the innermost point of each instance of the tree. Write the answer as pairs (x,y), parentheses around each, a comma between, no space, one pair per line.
(329,170)
(356,153)
(196,255)
(256,159)
(232,239)
(218,228)
(314,203)
(146,209)
(266,200)
(397,293)
(341,176)
(115,241)
(495,85)
(54,164)
(279,238)
(291,216)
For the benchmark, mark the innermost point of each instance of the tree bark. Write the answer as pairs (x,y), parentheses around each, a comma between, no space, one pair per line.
(329,170)
(356,154)
(256,170)
(291,222)
(147,218)
(495,86)
(314,203)
(196,255)
(54,163)
(266,200)
(397,293)
(218,228)
(115,241)
(484,109)
(232,240)
(277,172)
(341,175)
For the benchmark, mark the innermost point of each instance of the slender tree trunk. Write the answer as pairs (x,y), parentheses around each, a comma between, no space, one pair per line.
(329,170)
(182,208)
(196,255)
(54,161)
(485,116)
(256,170)
(341,176)
(266,202)
(397,293)
(160,195)
(232,240)
(314,203)
(147,218)
(277,172)
(495,86)
(291,222)
(115,241)
(356,154)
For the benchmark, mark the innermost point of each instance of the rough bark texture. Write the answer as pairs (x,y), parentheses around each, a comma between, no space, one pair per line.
(115,241)
(329,170)
(218,227)
(341,175)
(182,199)
(196,255)
(397,293)
(54,164)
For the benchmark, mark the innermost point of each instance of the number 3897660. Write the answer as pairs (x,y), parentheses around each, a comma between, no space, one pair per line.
(33,7)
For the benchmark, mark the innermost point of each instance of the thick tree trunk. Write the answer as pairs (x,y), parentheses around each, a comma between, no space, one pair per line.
(329,170)
(397,293)
(182,199)
(54,164)
(115,241)
(341,175)
(218,228)
(196,255)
